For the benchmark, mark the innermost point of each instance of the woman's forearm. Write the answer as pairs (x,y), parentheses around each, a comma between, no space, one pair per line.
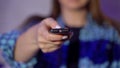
(26,46)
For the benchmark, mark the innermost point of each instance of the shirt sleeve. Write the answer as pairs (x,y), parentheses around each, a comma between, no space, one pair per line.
(7,44)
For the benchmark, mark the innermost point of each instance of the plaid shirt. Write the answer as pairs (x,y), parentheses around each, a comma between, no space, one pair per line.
(95,40)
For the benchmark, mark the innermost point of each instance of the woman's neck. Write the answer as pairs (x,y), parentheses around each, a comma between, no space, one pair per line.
(75,18)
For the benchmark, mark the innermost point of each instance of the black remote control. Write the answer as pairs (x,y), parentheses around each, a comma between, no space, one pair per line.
(62,31)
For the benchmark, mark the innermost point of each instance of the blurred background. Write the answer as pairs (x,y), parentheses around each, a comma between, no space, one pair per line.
(14,12)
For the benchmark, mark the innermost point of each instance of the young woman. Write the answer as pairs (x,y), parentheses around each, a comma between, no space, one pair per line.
(95,42)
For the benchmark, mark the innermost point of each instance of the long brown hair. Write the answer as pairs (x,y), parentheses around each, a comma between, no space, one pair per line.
(94,9)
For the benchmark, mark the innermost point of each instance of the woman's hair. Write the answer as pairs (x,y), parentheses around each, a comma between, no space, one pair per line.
(93,8)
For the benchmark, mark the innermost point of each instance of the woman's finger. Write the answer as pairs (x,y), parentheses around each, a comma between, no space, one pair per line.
(51,23)
(51,49)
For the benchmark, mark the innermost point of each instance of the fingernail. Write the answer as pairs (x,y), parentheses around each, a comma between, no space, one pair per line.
(64,37)
(57,27)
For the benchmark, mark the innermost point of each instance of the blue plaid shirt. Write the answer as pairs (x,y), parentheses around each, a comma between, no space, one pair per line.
(95,42)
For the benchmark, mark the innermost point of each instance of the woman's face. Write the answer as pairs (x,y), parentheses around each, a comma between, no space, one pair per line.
(73,4)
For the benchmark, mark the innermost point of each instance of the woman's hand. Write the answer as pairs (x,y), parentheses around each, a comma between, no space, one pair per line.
(36,38)
(47,41)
